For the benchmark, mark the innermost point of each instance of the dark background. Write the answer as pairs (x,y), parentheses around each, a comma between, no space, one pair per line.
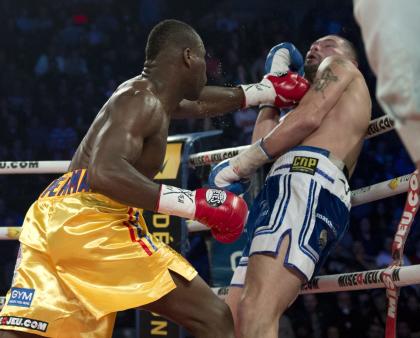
(60,61)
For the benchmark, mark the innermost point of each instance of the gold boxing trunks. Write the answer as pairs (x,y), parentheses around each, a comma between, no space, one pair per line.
(83,258)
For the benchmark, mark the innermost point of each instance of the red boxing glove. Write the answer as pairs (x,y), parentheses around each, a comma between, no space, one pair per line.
(290,89)
(222,211)
(284,90)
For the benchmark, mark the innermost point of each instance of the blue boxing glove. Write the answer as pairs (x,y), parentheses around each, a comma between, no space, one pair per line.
(234,174)
(222,176)
(282,58)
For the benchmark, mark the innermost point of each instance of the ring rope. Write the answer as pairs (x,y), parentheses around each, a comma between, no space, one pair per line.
(10,233)
(363,280)
(353,281)
(392,187)
(376,127)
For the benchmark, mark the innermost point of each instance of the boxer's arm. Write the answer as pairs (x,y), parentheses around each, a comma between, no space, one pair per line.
(333,77)
(118,146)
(267,120)
(213,101)
(282,90)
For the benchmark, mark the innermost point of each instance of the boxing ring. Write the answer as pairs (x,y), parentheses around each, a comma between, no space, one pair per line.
(391,278)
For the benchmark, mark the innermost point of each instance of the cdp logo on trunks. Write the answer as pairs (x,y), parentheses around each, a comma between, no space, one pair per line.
(215,197)
(21,297)
(27,323)
(304,164)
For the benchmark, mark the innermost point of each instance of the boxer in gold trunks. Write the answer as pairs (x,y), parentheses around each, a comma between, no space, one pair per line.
(86,252)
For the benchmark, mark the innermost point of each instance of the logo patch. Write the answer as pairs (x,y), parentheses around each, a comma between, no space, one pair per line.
(304,164)
(328,222)
(323,239)
(27,323)
(21,297)
(215,197)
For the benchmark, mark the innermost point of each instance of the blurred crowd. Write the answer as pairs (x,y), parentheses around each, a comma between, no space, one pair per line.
(61,60)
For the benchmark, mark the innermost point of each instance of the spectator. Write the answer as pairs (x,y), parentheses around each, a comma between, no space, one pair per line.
(410,314)
(348,319)
(361,261)
(285,328)
(313,316)
(244,122)
(63,139)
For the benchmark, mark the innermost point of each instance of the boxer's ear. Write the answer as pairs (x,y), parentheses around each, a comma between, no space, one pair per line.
(187,57)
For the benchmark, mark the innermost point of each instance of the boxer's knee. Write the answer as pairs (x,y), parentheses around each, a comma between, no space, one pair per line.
(215,322)
(251,308)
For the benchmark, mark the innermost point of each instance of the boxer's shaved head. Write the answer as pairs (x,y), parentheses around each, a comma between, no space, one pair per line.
(177,51)
(171,33)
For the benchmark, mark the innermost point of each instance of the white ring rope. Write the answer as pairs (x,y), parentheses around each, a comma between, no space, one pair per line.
(376,127)
(33,167)
(363,280)
(380,190)
(379,126)
(7,233)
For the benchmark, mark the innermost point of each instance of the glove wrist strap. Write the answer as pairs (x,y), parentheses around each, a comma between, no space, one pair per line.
(176,201)
(247,162)
(257,93)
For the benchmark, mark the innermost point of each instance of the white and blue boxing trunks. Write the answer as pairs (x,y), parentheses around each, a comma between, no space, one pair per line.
(305,196)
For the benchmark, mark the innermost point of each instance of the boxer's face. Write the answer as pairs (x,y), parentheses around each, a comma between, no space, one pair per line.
(197,71)
(327,46)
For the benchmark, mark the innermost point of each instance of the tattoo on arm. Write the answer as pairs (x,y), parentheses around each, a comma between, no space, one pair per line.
(324,80)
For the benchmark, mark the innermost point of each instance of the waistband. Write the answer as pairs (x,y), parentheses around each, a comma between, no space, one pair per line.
(311,160)
(70,183)
(334,160)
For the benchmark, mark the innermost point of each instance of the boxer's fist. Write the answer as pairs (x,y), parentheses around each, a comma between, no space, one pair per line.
(289,88)
(222,211)
(282,58)
(233,174)
(284,90)
(222,176)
